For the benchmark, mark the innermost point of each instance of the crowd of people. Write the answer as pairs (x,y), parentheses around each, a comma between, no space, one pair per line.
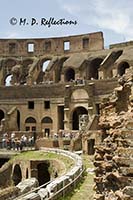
(64,134)
(14,143)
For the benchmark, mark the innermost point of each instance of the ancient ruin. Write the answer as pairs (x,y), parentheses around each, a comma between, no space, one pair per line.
(114,156)
(72,93)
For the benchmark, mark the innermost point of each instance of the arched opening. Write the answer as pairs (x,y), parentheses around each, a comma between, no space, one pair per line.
(43,173)
(69,75)
(17,175)
(58,70)
(7,81)
(47,125)
(45,65)
(75,117)
(18,119)
(93,68)
(30,120)
(30,125)
(42,76)
(2,115)
(8,64)
(26,66)
(47,120)
(122,68)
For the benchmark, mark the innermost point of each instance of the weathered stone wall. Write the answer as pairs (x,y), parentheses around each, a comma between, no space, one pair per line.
(5,175)
(48,143)
(101,87)
(86,70)
(9,193)
(56,94)
(114,157)
(76,45)
(121,45)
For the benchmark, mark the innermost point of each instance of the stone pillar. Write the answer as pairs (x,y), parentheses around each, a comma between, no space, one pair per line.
(66,119)
(62,78)
(100,75)
(29,80)
(114,72)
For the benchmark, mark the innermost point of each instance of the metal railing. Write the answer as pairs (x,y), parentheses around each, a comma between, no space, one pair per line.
(67,188)
(60,193)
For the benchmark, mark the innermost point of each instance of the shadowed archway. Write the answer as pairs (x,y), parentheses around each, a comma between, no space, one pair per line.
(122,68)
(75,116)
(17,174)
(93,68)
(43,173)
(69,75)
(2,115)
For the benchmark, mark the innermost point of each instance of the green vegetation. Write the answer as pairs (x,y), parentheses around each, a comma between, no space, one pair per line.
(84,190)
(40,155)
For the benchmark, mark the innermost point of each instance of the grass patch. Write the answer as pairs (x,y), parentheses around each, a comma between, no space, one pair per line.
(40,155)
(84,189)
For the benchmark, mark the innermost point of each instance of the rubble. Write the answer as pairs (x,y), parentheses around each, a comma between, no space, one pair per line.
(114,156)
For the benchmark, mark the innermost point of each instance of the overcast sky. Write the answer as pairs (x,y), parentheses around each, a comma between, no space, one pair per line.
(113,17)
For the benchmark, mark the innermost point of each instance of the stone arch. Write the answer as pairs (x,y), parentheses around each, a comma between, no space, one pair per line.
(2,115)
(69,74)
(47,120)
(59,69)
(82,93)
(7,81)
(43,74)
(7,65)
(17,174)
(45,65)
(26,66)
(47,125)
(93,68)
(10,62)
(80,110)
(122,67)
(30,124)
(43,172)
(30,120)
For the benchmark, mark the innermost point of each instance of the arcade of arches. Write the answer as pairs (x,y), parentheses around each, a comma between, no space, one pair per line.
(43,73)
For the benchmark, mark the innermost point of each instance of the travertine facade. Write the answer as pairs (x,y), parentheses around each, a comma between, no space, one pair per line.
(45,99)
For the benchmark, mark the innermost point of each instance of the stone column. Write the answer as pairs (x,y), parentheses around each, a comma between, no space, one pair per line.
(66,119)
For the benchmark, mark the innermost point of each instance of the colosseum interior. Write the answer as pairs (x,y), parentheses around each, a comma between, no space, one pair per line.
(74,88)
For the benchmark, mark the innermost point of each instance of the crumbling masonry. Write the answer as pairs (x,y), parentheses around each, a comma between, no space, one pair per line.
(61,86)
(114,156)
